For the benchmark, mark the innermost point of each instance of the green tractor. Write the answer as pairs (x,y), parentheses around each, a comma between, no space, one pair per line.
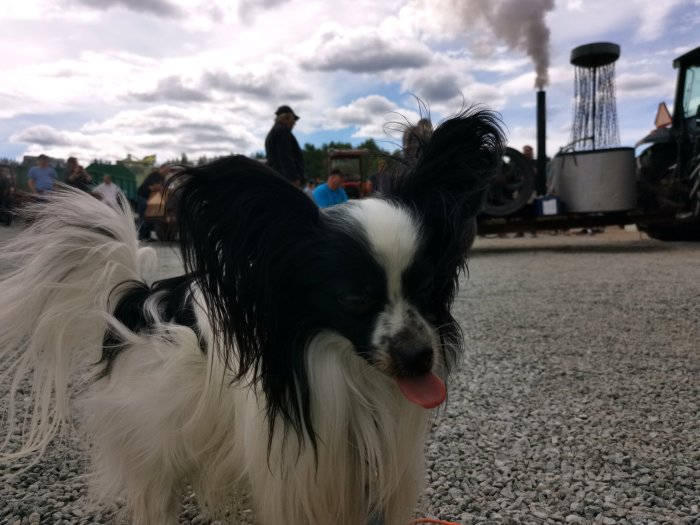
(669,169)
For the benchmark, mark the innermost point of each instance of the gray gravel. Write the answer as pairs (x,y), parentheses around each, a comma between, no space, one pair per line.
(578,401)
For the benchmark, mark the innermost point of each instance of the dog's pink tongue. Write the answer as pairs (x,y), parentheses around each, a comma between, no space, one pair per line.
(427,390)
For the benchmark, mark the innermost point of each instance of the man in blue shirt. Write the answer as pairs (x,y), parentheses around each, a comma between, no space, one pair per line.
(42,177)
(331,192)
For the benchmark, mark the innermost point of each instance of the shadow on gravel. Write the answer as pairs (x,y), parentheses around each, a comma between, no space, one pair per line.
(586,248)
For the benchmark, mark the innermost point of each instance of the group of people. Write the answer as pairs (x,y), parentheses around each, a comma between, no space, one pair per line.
(284,155)
(42,179)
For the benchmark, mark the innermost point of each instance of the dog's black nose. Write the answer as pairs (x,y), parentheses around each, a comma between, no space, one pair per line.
(416,359)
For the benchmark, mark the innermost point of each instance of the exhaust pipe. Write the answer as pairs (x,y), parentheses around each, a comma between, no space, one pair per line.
(541,179)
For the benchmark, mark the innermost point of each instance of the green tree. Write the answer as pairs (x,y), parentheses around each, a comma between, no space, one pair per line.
(376,153)
(314,162)
(372,146)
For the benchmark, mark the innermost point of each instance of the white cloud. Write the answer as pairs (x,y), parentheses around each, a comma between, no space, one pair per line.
(653,17)
(165,130)
(248,8)
(373,116)
(644,84)
(161,8)
(46,136)
(361,50)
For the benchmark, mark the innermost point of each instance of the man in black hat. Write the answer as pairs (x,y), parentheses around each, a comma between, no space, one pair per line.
(283,151)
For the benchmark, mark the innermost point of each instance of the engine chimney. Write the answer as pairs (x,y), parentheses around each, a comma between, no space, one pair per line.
(541,179)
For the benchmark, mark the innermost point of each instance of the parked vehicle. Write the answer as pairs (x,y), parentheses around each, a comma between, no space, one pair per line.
(669,169)
(354,163)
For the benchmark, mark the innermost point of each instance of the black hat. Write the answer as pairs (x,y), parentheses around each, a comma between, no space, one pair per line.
(286,109)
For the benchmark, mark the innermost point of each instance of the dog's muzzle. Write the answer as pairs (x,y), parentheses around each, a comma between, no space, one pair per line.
(412,360)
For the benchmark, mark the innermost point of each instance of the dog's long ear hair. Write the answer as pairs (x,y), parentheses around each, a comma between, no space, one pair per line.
(446,189)
(245,232)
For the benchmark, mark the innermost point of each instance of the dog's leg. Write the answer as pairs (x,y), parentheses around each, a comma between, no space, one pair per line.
(150,423)
(156,504)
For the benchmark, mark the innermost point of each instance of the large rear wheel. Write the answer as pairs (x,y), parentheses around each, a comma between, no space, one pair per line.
(512,187)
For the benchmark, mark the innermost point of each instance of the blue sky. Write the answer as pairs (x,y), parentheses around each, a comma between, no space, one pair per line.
(107,78)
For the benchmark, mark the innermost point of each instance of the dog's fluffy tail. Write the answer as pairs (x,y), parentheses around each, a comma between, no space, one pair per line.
(56,283)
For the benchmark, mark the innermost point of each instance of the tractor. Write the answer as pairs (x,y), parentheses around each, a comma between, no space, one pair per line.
(669,169)
(355,165)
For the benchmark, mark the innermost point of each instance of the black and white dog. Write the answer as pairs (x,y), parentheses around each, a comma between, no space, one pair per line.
(298,355)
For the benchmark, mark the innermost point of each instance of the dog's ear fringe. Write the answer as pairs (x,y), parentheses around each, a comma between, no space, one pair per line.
(241,228)
(446,188)
(456,165)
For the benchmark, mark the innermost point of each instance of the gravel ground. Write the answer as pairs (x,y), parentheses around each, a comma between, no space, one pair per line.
(578,401)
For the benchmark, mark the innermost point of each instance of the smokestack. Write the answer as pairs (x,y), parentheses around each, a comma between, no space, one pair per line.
(541,180)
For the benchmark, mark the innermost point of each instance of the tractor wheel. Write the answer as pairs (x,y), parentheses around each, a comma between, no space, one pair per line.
(512,187)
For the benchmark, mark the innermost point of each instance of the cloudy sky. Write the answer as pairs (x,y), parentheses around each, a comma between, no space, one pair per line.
(107,78)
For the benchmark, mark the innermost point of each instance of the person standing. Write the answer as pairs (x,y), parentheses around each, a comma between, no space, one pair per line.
(42,177)
(529,155)
(283,152)
(331,192)
(377,178)
(76,175)
(107,191)
(414,140)
(310,187)
(153,183)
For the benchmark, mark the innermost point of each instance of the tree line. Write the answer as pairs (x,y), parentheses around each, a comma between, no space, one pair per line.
(315,158)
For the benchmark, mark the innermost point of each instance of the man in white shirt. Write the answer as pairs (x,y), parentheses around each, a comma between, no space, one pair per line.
(107,192)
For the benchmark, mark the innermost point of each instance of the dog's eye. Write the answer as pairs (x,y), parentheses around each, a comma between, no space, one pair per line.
(358,302)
